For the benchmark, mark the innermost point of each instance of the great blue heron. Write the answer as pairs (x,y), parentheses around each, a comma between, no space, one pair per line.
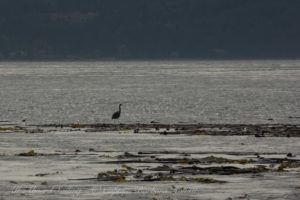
(117,114)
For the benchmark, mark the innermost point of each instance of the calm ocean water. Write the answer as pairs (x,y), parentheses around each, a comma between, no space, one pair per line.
(165,91)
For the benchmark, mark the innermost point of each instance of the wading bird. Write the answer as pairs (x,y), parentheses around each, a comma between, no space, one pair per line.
(117,114)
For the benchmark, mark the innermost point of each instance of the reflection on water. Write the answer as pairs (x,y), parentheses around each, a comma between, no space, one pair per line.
(164,91)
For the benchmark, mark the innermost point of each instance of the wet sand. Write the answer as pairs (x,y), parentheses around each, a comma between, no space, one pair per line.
(149,161)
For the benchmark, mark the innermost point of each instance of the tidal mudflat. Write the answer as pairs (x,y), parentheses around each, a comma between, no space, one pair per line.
(149,161)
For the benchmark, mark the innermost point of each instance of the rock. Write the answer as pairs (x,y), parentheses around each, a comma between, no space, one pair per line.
(148,178)
(289,155)
(257,135)
(164,133)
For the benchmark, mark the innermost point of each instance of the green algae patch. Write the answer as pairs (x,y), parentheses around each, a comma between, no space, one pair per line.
(120,175)
(120,179)
(288,164)
(202,133)
(10,129)
(29,153)
(183,161)
(77,126)
(125,166)
(33,153)
(44,183)
(205,180)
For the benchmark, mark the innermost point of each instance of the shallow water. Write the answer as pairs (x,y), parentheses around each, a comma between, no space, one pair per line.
(164,91)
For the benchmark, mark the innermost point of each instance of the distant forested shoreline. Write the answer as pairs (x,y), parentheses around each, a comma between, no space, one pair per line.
(149,29)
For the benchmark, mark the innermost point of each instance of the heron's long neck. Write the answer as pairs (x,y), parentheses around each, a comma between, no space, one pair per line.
(120,109)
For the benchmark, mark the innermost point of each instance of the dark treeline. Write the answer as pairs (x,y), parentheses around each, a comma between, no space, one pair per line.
(149,29)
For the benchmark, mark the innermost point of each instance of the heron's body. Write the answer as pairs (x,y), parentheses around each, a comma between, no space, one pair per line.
(117,114)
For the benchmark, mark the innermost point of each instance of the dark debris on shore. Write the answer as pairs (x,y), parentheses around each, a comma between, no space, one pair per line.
(257,130)
(186,168)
